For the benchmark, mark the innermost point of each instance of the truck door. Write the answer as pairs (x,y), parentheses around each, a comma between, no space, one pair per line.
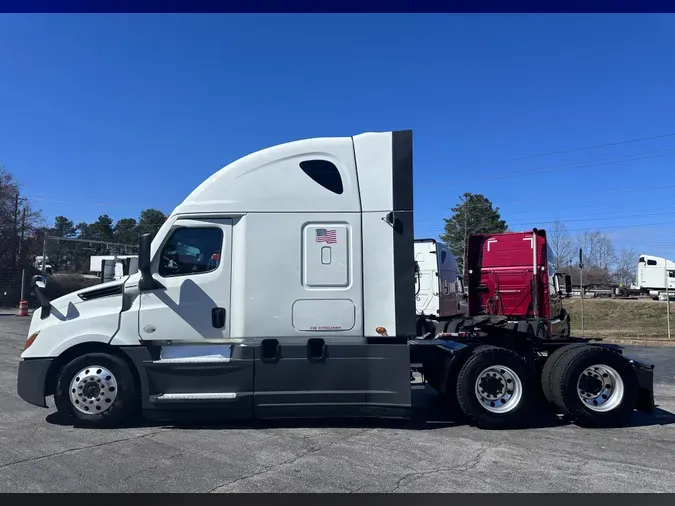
(188,317)
(317,365)
(193,266)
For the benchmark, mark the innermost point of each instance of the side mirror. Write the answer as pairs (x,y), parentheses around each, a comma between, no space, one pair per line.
(147,282)
(144,253)
(38,283)
(568,284)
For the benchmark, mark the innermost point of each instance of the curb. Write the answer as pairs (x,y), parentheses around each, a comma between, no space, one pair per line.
(640,342)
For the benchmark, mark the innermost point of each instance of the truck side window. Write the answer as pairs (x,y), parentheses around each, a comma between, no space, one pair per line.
(671,274)
(651,262)
(191,251)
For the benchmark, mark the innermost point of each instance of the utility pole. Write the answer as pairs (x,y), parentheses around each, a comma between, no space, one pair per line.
(466,235)
(16,229)
(44,254)
(665,268)
(17,199)
(581,281)
(23,231)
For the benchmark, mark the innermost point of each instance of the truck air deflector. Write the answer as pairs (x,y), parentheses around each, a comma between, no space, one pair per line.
(404,236)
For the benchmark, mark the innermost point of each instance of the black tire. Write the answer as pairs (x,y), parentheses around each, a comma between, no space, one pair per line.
(425,326)
(453,326)
(566,374)
(567,329)
(467,397)
(122,405)
(526,328)
(549,366)
(449,377)
(541,330)
(431,328)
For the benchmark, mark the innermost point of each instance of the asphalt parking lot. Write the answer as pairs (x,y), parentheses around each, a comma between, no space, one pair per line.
(430,455)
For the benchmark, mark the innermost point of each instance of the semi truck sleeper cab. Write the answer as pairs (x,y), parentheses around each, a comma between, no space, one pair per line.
(283,286)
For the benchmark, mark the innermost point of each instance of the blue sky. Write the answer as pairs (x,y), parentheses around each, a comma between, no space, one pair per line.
(93,105)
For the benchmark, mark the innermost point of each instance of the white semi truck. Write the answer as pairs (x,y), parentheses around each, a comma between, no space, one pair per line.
(440,287)
(655,277)
(283,286)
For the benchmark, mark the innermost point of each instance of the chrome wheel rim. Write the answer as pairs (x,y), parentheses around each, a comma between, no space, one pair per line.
(600,388)
(93,390)
(499,389)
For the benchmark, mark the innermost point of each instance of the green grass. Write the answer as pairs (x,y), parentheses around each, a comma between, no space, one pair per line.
(642,319)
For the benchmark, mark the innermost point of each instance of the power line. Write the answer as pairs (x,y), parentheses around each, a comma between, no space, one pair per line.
(637,225)
(37,199)
(578,165)
(609,192)
(595,218)
(597,162)
(623,226)
(551,153)
(595,205)
(583,217)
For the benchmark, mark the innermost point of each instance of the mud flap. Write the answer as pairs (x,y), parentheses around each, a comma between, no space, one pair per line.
(645,376)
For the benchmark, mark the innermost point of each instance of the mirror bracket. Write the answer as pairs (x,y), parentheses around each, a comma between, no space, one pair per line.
(45,305)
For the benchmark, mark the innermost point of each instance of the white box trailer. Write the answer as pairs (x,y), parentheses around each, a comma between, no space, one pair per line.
(283,286)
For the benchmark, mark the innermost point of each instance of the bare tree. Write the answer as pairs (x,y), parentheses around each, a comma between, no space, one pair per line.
(599,256)
(598,249)
(626,266)
(562,244)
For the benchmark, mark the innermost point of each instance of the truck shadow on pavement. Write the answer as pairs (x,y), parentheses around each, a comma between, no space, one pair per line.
(432,414)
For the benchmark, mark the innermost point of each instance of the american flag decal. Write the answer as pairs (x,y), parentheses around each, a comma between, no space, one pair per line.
(327,236)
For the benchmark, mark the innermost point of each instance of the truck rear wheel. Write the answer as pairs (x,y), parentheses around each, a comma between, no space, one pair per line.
(96,389)
(594,387)
(549,366)
(494,388)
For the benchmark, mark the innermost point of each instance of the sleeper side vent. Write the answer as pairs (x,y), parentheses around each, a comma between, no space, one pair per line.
(101,292)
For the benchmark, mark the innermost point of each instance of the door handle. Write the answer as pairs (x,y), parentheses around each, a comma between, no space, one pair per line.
(270,350)
(316,349)
(218,315)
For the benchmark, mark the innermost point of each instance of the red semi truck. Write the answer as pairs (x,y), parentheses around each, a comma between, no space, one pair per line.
(512,283)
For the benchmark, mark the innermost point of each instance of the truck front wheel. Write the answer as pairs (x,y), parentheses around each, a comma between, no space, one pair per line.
(494,388)
(594,387)
(96,389)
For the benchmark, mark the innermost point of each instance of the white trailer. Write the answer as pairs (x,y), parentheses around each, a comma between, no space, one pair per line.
(283,286)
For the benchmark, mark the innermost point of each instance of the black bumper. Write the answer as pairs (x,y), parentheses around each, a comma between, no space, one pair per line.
(31,383)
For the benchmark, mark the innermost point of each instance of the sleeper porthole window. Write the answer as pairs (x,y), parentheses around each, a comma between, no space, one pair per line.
(324,173)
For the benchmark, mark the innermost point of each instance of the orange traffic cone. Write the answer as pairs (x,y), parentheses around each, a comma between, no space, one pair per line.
(23,308)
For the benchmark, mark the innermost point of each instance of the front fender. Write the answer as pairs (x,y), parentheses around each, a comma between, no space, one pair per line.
(43,347)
